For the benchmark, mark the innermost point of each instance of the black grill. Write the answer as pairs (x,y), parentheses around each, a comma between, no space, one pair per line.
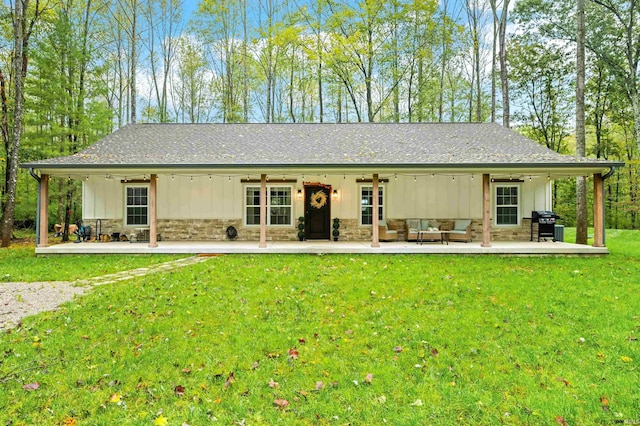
(546,221)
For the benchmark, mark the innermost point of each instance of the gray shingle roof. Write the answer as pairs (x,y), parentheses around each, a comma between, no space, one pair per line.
(326,145)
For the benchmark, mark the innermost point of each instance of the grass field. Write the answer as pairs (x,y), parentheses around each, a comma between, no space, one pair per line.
(285,339)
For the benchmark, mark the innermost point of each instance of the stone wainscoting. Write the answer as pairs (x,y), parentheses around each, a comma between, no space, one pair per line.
(215,230)
(517,233)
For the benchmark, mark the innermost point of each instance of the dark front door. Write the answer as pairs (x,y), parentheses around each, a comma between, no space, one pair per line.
(317,207)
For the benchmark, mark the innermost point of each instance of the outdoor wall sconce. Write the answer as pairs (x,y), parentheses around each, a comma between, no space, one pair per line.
(335,194)
(299,194)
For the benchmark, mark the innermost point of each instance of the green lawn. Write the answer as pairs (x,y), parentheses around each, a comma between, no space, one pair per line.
(340,340)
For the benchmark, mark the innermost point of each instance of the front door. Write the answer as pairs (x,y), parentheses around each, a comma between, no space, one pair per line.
(317,207)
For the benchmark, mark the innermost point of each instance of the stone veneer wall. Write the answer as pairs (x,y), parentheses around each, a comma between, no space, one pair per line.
(215,230)
(519,233)
(107,226)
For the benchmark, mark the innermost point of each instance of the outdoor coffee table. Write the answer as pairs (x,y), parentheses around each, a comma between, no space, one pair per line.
(423,234)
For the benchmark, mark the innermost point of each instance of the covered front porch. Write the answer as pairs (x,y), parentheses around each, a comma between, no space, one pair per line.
(516,248)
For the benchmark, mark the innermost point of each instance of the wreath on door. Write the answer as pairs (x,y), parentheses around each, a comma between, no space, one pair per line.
(318,199)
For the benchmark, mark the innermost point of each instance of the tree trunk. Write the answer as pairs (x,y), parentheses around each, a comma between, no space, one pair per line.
(19,65)
(132,77)
(504,77)
(581,184)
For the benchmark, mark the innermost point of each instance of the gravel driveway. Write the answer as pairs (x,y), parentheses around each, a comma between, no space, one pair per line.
(19,300)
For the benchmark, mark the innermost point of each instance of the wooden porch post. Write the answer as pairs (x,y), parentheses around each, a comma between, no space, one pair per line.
(44,212)
(598,210)
(375,237)
(486,210)
(263,211)
(153,219)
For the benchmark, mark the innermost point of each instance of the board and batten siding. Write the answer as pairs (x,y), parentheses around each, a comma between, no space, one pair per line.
(406,196)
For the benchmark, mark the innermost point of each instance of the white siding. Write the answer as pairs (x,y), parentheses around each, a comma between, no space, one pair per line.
(407,196)
(102,199)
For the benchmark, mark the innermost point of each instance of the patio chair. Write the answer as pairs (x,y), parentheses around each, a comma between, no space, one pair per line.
(461,231)
(384,233)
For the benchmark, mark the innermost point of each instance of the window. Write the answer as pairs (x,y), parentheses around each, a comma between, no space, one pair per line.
(137,205)
(279,205)
(507,205)
(366,204)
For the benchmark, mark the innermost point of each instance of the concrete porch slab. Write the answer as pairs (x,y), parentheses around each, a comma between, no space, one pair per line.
(324,247)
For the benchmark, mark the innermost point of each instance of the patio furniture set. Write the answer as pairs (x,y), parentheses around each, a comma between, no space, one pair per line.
(421,230)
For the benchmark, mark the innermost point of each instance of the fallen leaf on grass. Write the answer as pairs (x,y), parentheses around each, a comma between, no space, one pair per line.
(605,403)
(381,399)
(293,353)
(178,390)
(560,420)
(186,371)
(368,378)
(116,397)
(417,403)
(69,422)
(397,349)
(230,380)
(282,403)
(31,386)
(273,384)
(626,359)
(434,352)
(319,385)
(565,381)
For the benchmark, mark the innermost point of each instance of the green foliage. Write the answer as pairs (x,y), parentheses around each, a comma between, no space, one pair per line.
(339,339)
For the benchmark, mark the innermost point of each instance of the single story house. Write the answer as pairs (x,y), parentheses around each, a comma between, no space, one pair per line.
(195,181)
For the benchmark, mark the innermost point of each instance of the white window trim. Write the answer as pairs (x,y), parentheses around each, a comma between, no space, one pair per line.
(384,203)
(495,204)
(136,185)
(244,205)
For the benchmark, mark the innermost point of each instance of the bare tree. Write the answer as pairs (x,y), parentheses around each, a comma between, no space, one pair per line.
(581,184)
(22,29)
(501,19)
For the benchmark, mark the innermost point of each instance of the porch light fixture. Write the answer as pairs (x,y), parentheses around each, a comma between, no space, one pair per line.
(335,194)
(299,194)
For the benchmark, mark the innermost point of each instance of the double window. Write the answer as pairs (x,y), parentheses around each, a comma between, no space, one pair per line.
(279,205)
(366,204)
(137,205)
(507,205)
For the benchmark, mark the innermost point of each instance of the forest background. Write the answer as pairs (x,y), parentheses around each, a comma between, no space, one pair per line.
(73,71)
